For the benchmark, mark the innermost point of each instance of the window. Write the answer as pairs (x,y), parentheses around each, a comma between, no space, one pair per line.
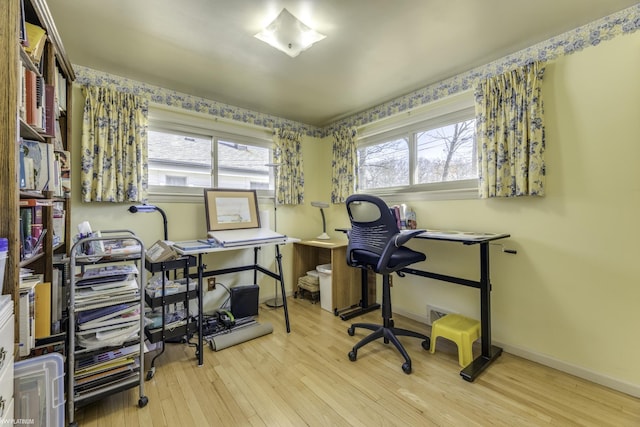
(432,152)
(189,154)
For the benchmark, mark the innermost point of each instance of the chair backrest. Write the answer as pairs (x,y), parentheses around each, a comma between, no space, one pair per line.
(372,226)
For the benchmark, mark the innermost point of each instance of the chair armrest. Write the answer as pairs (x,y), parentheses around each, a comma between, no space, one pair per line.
(404,236)
(393,244)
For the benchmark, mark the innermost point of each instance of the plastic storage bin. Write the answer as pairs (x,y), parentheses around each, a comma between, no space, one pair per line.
(39,390)
(4,249)
(324,271)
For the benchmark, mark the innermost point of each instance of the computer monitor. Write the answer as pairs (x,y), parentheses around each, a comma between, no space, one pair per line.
(231,209)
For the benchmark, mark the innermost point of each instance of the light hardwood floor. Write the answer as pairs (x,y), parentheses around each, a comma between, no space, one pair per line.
(306,378)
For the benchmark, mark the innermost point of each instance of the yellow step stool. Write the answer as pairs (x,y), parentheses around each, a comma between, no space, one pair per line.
(459,329)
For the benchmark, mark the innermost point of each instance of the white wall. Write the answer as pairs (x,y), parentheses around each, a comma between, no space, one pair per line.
(570,297)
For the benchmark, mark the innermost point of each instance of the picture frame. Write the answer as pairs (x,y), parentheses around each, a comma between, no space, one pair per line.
(231,209)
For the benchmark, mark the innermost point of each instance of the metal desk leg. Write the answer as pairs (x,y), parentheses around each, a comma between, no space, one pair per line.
(489,351)
(284,293)
(199,349)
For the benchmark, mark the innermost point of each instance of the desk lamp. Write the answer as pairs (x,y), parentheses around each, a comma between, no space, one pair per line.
(151,208)
(322,206)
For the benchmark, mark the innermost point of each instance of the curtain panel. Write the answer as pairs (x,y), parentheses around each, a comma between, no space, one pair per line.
(287,154)
(114,146)
(343,164)
(510,133)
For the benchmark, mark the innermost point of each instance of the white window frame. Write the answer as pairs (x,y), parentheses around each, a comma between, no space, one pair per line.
(457,107)
(171,119)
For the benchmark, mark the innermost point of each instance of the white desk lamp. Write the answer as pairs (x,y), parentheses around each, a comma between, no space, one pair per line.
(322,206)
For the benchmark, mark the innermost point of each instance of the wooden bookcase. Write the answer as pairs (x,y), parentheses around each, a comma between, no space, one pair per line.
(13,126)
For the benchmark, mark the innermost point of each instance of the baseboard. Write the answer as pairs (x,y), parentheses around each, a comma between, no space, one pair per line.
(604,380)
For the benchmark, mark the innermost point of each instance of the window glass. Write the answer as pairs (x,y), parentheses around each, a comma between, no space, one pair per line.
(446,153)
(179,159)
(183,162)
(384,165)
(431,153)
(243,166)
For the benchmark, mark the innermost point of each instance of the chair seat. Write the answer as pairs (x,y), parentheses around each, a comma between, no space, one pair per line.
(401,258)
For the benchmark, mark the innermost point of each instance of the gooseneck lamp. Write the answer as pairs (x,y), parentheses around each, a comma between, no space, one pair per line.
(151,208)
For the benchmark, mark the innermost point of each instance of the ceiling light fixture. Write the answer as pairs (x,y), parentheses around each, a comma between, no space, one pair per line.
(289,35)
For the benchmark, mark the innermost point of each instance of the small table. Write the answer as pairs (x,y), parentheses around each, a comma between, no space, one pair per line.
(255,267)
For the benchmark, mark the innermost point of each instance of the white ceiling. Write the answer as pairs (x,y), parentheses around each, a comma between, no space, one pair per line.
(375,50)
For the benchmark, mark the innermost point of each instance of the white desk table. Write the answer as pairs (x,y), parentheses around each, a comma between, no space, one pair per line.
(203,272)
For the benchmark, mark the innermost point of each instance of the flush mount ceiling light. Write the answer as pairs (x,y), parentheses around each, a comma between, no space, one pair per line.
(288,34)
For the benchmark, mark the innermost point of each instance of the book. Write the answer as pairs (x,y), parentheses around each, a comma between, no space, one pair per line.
(49,110)
(42,311)
(36,37)
(27,313)
(42,157)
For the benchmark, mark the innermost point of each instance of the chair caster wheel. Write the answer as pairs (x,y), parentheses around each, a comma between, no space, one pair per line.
(406,368)
(353,356)
(143,401)
(351,331)
(426,345)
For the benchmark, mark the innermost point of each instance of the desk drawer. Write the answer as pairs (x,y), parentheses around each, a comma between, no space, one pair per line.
(6,344)
(6,388)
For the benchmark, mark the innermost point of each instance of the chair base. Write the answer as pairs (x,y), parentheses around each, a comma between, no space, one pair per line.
(389,334)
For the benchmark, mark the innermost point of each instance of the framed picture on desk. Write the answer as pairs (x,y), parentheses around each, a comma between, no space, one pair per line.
(231,209)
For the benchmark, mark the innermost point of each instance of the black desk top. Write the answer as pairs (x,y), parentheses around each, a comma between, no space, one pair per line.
(467,237)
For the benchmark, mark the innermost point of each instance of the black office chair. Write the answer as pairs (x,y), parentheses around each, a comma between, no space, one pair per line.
(376,242)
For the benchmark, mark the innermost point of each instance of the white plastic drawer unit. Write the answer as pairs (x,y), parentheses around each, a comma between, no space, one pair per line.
(6,368)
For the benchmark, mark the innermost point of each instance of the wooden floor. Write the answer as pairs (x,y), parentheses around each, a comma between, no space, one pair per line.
(306,378)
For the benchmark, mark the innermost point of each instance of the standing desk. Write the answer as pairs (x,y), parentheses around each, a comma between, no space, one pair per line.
(489,352)
(203,272)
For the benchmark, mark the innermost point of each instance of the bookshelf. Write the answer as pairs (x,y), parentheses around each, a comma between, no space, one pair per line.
(37,114)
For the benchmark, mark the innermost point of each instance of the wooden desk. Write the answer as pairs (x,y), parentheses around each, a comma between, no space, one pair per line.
(346,282)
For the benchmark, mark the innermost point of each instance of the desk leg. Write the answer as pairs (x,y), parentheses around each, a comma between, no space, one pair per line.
(284,293)
(364,307)
(199,349)
(489,351)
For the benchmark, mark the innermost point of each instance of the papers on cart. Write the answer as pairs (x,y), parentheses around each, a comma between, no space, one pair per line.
(108,326)
(106,285)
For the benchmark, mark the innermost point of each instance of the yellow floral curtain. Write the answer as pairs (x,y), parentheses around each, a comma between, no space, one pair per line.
(114,146)
(510,133)
(290,177)
(343,164)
